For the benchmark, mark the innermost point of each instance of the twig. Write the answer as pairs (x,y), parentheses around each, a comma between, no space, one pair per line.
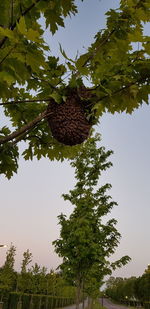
(43,80)
(8,54)
(119,90)
(22,137)
(90,89)
(99,46)
(25,101)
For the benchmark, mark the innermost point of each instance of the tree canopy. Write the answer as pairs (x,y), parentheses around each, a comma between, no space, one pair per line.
(130,289)
(117,66)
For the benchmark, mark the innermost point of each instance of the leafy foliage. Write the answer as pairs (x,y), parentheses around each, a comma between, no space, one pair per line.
(7,273)
(34,280)
(117,65)
(130,288)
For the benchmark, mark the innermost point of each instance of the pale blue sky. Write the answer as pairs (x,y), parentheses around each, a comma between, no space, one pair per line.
(31,200)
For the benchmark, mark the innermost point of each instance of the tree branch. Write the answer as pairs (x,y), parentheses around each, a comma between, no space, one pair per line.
(25,101)
(88,89)
(25,128)
(8,54)
(118,90)
(99,46)
(123,88)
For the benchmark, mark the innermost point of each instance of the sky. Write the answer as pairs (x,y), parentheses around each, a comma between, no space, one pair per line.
(31,200)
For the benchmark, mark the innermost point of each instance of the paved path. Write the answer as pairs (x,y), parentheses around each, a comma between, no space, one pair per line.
(109,305)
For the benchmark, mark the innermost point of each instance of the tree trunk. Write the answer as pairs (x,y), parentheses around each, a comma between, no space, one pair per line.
(90,301)
(78,293)
(83,302)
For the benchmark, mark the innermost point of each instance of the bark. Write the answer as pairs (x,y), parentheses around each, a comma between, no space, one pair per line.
(83,301)
(78,294)
(90,302)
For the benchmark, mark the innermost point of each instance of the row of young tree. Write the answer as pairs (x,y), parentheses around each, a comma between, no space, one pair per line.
(34,280)
(130,289)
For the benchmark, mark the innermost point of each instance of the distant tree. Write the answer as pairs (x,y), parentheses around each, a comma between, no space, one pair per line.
(10,258)
(7,273)
(27,259)
(115,288)
(24,279)
(85,242)
(147,270)
(116,64)
(131,288)
(143,286)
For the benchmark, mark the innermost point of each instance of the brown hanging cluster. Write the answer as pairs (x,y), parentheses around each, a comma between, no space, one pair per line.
(67,120)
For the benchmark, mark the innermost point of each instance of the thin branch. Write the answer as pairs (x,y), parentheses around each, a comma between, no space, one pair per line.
(123,88)
(118,90)
(25,128)
(99,46)
(89,89)
(8,54)
(22,137)
(43,80)
(25,101)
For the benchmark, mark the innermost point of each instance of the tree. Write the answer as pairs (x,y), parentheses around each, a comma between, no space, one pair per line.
(10,258)
(131,289)
(24,279)
(85,242)
(143,286)
(118,72)
(27,259)
(7,272)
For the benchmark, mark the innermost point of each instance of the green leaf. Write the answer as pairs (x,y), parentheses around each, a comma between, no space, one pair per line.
(82,61)
(8,160)
(33,35)
(64,54)
(8,33)
(8,78)
(21,25)
(56,96)
(71,67)
(53,20)
(4,16)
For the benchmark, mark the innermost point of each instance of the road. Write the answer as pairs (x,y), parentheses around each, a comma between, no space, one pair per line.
(109,305)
